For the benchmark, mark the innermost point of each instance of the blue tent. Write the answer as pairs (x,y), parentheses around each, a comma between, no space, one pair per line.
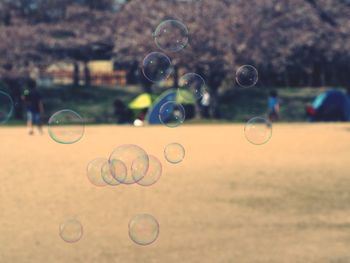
(332,105)
(187,100)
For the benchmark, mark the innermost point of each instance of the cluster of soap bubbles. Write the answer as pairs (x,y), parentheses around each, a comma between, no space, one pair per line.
(130,164)
(127,164)
(172,36)
(169,36)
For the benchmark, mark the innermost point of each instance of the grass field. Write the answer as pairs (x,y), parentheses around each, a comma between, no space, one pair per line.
(227,202)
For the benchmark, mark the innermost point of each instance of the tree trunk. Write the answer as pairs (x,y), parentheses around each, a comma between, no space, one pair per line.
(176,77)
(214,103)
(145,83)
(87,75)
(76,74)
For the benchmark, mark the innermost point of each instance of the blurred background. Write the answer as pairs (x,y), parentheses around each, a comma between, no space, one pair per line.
(238,193)
(86,55)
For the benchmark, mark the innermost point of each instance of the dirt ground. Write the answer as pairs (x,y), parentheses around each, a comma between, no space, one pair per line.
(228,201)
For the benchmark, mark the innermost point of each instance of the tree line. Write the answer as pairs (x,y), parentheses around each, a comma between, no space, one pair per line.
(290,42)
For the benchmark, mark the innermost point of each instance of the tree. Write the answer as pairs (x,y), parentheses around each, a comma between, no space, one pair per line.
(208,51)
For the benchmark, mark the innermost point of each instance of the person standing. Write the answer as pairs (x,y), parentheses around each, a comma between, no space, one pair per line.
(205,103)
(34,106)
(273,106)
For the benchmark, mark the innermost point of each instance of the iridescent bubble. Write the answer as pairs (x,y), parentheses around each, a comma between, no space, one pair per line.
(6,107)
(94,171)
(71,231)
(258,130)
(171,35)
(66,127)
(154,172)
(156,67)
(174,153)
(112,170)
(247,76)
(135,160)
(194,83)
(143,229)
(172,114)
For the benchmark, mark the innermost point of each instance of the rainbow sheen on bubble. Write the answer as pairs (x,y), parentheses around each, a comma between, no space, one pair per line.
(258,130)
(143,229)
(194,83)
(247,76)
(174,153)
(66,127)
(171,36)
(6,107)
(71,231)
(156,67)
(172,114)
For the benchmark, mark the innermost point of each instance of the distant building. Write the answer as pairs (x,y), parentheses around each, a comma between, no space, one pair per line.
(102,73)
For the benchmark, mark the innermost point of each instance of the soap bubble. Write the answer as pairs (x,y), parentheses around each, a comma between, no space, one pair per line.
(6,107)
(171,35)
(143,229)
(258,130)
(94,171)
(66,127)
(71,231)
(174,153)
(154,172)
(135,160)
(194,83)
(172,114)
(156,67)
(247,76)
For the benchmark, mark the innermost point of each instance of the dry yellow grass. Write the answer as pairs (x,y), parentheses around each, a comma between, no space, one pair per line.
(229,201)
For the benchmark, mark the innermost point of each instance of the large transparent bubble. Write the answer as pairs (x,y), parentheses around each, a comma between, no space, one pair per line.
(258,130)
(172,114)
(247,76)
(156,67)
(174,153)
(66,127)
(143,229)
(171,36)
(194,83)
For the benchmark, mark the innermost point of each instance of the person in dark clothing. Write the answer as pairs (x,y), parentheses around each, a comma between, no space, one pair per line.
(34,106)
(121,112)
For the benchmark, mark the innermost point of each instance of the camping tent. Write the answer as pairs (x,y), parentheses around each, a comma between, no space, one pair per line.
(332,105)
(183,97)
(142,101)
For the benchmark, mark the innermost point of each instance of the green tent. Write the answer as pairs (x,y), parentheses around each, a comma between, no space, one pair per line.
(185,97)
(146,100)
(142,101)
